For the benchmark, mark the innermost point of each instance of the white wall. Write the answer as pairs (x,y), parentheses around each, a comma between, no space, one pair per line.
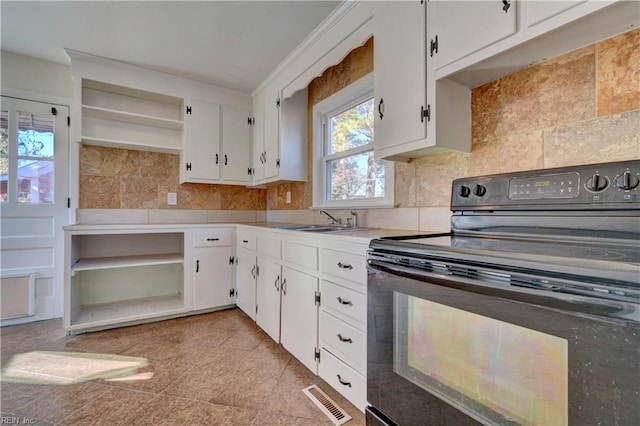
(38,79)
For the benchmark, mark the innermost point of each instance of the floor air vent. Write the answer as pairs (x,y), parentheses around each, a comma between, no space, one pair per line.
(337,415)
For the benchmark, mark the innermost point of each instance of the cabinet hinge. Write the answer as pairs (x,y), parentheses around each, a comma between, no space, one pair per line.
(249,171)
(188,166)
(54,111)
(231,260)
(68,203)
(232,292)
(256,309)
(425,113)
(277,162)
(317,298)
(189,110)
(433,46)
(251,121)
(278,103)
(506,4)
(316,354)
(68,121)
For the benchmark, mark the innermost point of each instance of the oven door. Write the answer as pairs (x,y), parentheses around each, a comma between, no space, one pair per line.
(450,351)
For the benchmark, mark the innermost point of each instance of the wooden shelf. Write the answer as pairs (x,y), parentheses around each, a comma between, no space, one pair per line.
(90,264)
(124,144)
(130,117)
(132,309)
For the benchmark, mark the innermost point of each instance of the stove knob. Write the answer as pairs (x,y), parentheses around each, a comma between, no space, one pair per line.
(479,190)
(597,183)
(626,181)
(464,191)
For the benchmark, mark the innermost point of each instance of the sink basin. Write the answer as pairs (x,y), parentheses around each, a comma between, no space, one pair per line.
(321,228)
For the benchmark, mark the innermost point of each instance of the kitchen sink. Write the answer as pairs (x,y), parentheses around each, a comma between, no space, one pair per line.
(321,228)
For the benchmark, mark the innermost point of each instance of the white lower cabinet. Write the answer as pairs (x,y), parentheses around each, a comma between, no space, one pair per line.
(117,275)
(246,282)
(299,317)
(268,285)
(213,268)
(351,384)
(342,327)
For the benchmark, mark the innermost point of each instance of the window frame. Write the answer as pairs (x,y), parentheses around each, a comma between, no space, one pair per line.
(348,97)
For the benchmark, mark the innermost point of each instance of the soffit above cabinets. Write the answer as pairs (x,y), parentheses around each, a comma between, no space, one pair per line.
(232,44)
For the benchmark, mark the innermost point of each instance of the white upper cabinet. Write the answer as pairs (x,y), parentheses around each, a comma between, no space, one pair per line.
(201,156)
(464,27)
(400,73)
(538,11)
(236,145)
(406,121)
(279,137)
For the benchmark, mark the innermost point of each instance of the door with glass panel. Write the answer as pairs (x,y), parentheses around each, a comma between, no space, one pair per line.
(34,173)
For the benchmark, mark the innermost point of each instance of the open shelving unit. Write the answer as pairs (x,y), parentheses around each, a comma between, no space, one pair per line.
(116,278)
(117,116)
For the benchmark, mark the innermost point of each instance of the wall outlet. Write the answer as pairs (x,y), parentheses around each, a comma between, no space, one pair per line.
(172,198)
(288,197)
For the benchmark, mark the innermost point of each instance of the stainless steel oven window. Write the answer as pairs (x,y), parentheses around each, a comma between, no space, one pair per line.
(494,371)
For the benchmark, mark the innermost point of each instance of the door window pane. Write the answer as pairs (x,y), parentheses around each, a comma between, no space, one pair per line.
(4,133)
(352,128)
(4,179)
(355,177)
(35,135)
(35,181)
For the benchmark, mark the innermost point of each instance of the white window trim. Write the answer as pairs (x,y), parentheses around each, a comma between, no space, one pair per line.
(357,92)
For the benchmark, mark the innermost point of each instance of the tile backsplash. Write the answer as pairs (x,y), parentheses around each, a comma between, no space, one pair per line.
(581,107)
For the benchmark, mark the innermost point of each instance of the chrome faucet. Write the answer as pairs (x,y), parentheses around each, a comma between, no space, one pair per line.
(334,221)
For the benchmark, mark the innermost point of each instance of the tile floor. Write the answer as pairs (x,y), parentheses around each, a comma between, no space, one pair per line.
(209,369)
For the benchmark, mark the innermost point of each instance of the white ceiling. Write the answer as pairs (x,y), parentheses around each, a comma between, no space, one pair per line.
(233,44)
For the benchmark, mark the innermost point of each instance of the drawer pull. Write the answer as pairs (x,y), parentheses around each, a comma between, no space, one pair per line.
(213,239)
(344,265)
(245,241)
(344,302)
(342,382)
(344,339)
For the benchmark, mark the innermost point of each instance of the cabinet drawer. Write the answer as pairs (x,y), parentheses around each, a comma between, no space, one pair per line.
(345,341)
(246,238)
(344,379)
(300,254)
(346,303)
(344,265)
(212,238)
(269,246)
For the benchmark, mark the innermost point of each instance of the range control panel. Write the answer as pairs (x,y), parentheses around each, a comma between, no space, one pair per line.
(593,187)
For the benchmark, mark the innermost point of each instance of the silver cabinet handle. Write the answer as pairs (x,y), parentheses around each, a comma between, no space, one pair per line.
(344,339)
(344,265)
(343,382)
(344,302)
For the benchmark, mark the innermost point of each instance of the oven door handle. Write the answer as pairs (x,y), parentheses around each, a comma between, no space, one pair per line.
(555,297)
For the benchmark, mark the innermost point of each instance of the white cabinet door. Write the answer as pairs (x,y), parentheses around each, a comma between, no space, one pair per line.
(460,28)
(236,144)
(202,159)
(268,297)
(246,283)
(258,137)
(213,277)
(299,316)
(400,76)
(271,136)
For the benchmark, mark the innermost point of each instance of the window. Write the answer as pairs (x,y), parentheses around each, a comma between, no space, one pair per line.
(346,173)
(30,152)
